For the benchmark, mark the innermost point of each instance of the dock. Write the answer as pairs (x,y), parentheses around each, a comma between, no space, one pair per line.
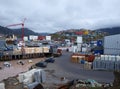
(27,53)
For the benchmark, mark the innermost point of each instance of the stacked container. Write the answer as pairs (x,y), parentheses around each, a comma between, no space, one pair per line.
(107,62)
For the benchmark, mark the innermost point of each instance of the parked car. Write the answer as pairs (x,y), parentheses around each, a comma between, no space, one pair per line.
(50,60)
(41,64)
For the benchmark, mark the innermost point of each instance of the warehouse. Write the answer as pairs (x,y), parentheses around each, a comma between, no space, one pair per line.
(112,44)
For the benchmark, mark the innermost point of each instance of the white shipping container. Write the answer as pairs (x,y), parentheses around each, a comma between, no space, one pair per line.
(70,49)
(25,38)
(79,39)
(48,37)
(112,44)
(73,49)
(79,47)
(84,49)
(35,37)
(32,37)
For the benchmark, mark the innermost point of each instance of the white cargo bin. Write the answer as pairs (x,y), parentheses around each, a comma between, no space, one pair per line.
(117,58)
(111,62)
(106,57)
(29,76)
(2,86)
(102,57)
(21,78)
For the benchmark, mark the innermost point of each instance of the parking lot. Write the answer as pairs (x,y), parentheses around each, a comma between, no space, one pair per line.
(63,67)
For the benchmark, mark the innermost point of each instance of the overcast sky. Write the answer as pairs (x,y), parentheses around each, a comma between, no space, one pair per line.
(55,15)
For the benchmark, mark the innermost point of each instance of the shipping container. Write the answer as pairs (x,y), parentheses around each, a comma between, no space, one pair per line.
(99,43)
(25,38)
(45,50)
(112,44)
(98,52)
(84,49)
(73,49)
(89,58)
(79,39)
(33,37)
(41,37)
(48,38)
(79,47)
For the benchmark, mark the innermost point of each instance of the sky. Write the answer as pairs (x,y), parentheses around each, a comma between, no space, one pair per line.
(56,15)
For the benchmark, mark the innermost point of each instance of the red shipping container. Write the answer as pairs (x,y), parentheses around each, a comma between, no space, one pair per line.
(91,58)
(41,37)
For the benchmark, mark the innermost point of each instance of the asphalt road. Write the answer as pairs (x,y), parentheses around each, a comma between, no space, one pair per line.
(63,67)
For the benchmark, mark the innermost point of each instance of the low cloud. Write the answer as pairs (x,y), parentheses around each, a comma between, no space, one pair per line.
(54,15)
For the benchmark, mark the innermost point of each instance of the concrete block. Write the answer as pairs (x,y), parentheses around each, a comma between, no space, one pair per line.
(2,86)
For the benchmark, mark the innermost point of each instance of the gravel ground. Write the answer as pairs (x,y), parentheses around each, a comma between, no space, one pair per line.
(15,68)
(54,71)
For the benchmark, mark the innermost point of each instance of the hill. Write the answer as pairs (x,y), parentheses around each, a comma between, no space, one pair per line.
(18,32)
(87,34)
(4,30)
(27,32)
(111,31)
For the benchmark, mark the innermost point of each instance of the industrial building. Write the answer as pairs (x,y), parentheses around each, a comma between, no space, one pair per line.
(112,44)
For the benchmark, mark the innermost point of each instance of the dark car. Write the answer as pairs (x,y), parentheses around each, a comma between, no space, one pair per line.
(50,60)
(41,64)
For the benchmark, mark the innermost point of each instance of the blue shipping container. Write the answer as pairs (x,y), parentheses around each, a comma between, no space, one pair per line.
(99,43)
(98,51)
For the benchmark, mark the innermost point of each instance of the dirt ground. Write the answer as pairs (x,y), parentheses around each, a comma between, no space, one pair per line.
(5,72)
(10,78)
(53,80)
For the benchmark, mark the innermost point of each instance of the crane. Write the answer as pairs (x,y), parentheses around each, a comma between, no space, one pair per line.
(22,27)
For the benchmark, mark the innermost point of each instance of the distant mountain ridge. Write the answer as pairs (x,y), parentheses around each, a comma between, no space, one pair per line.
(27,32)
(4,30)
(111,31)
(18,32)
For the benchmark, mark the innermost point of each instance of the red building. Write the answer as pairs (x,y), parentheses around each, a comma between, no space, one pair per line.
(79,33)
